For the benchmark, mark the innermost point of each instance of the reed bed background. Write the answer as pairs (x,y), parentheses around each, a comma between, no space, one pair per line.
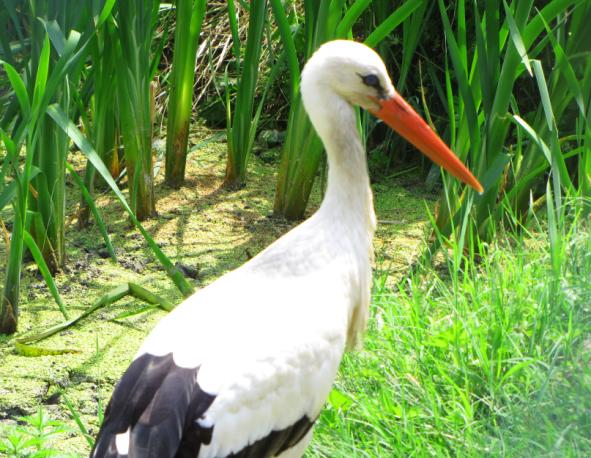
(483,348)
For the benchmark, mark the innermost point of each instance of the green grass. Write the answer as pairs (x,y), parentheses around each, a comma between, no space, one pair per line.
(34,437)
(490,361)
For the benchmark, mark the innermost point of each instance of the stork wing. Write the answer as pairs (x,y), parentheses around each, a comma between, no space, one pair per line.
(253,390)
(240,369)
(152,412)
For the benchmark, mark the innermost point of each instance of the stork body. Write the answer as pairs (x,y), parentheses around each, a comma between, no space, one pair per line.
(243,367)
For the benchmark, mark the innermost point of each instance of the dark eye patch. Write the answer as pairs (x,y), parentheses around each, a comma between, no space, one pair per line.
(371,80)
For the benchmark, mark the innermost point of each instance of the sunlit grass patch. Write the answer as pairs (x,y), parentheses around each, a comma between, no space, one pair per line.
(492,359)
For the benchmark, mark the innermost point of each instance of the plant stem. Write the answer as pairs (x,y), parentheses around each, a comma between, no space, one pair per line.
(189,14)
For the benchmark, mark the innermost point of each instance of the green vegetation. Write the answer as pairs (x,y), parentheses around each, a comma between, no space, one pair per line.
(474,358)
(37,188)
(34,438)
(189,18)
(136,20)
(104,106)
(302,152)
(485,105)
(242,121)
(479,342)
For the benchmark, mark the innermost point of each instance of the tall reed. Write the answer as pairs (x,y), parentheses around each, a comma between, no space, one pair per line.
(302,151)
(189,18)
(47,199)
(104,54)
(29,127)
(242,120)
(482,93)
(136,21)
(561,125)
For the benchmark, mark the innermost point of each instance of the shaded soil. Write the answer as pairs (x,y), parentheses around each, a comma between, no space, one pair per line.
(204,228)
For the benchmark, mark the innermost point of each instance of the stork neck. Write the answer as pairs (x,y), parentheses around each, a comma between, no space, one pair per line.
(348,194)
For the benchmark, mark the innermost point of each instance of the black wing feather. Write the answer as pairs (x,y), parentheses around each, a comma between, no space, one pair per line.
(159,402)
(277,441)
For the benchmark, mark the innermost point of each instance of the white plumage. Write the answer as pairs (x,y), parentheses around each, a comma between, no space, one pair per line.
(244,366)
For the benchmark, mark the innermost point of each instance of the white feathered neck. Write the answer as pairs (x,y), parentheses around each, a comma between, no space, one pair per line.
(348,204)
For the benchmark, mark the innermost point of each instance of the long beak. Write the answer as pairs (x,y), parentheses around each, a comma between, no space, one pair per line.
(401,117)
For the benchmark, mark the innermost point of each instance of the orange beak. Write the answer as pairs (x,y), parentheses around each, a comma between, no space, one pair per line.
(401,117)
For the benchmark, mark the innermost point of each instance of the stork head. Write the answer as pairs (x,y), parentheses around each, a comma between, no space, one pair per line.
(358,75)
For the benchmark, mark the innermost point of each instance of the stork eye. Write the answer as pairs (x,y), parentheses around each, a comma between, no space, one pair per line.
(371,80)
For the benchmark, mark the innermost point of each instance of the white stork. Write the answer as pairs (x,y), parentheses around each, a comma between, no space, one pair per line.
(243,367)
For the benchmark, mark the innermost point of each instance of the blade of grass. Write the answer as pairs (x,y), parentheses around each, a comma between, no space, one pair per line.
(107,299)
(351,15)
(86,148)
(560,172)
(393,21)
(97,216)
(78,420)
(19,88)
(44,269)
(517,39)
